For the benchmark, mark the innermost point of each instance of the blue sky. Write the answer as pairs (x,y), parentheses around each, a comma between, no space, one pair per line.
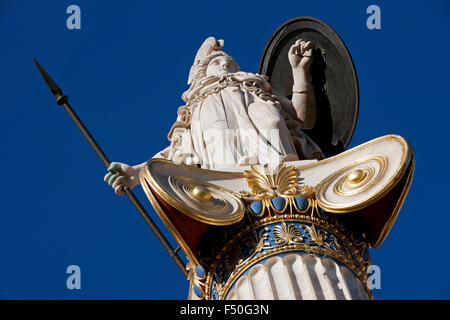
(125,71)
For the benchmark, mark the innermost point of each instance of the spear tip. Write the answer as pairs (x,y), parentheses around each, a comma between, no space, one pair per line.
(54,88)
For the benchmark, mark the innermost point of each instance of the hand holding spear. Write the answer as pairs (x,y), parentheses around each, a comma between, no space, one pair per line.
(62,100)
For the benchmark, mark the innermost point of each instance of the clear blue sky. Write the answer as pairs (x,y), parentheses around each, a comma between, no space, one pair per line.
(125,71)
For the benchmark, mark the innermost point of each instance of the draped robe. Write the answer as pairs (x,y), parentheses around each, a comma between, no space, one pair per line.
(235,120)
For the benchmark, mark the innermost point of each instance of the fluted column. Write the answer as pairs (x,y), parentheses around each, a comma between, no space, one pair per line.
(298,277)
(289,257)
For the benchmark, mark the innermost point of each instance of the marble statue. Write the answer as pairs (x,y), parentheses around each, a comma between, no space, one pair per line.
(240,186)
(232,118)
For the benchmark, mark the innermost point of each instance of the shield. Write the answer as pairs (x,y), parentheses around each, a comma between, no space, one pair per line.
(333,77)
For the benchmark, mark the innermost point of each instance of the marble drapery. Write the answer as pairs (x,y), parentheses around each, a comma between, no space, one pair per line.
(232,120)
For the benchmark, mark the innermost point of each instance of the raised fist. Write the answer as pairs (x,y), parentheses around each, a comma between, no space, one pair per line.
(300,54)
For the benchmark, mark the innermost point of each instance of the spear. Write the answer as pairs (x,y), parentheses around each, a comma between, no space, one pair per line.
(62,100)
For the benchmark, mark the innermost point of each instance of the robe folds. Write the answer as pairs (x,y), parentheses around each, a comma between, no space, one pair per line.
(235,120)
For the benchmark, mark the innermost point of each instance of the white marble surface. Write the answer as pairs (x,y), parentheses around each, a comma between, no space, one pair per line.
(296,277)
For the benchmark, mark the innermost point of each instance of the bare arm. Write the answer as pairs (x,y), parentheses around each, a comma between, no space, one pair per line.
(303,100)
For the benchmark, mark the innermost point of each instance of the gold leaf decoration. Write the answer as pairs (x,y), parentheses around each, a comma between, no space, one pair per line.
(268,185)
(286,234)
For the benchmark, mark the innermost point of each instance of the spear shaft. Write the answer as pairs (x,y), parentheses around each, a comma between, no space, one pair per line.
(62,100)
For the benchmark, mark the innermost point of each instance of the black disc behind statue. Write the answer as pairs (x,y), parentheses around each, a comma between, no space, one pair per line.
(333,77)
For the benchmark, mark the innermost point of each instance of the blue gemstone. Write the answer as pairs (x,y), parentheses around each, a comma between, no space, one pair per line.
(279,203)
(301,203)
(198,292)
(200,272)
(256,207)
